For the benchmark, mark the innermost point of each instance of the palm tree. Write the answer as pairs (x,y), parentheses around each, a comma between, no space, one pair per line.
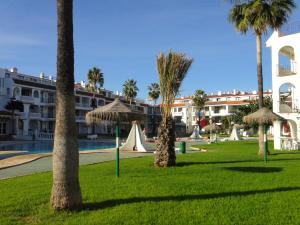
(199,100)
(66,192)
(154,92)
(259,15)
(172,69)
(130,90)
(95,79)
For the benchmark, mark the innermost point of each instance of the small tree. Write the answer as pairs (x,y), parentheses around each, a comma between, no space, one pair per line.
(154,92)
(172,69)
(95,79)
(199,99)
(130,90)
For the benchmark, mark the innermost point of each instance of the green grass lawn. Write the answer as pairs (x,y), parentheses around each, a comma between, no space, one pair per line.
(226,185)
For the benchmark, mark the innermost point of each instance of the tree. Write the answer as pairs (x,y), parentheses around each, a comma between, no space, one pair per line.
(259,15)
(199,99)
(130,90)
(95,79)
(252,107)
(172,69)
(66,194)
(154,92)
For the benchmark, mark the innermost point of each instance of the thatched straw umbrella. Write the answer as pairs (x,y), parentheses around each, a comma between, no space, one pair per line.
(262,116)
(212,128)
(265,117)
(116,111)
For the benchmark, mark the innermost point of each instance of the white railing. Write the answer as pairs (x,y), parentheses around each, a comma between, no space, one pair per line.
(287,69)
(27,98)
(287,143)
(48,136)
(35,115)
(289,107)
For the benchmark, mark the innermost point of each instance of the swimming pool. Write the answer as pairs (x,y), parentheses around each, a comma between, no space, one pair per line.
(47,146)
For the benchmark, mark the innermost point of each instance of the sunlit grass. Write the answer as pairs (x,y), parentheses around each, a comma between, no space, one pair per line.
(228,184)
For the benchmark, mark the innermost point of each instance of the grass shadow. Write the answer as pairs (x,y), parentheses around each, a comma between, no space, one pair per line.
(183,164)
(117,202)
(254,169)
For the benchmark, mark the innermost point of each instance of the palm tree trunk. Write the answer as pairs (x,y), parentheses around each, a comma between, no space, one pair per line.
(66,192)
(260,91)
(165,148)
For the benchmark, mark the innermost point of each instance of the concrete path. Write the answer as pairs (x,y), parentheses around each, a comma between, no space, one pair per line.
(45,163)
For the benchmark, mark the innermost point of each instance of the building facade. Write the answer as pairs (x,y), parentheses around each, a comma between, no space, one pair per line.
(285,48)
(218,106)
(37,96)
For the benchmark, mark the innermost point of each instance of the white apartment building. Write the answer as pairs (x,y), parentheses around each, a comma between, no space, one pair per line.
(37,95)
(285,48)
(218,105)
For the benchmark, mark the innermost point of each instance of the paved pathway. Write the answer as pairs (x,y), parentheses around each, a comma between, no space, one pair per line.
(45,164)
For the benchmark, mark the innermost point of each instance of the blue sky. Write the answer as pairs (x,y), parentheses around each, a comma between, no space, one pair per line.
(123,37)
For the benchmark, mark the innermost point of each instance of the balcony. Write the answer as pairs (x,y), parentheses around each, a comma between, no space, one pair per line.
(287,69)
(288,107)
(48,100)
(27,99)
(35,115)
(80,118)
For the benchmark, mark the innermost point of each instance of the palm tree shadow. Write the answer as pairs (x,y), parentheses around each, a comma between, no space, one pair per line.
(255,169)
(117,202)
(182,164)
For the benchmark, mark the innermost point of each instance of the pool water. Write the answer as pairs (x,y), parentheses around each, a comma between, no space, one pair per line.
(47,146)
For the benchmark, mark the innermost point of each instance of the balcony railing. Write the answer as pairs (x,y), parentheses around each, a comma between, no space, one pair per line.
(27,98)
(35,115)
(48,100)
(288,107)
(288,143)
(287,69)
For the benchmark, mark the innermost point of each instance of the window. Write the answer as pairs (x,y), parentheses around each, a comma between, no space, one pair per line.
(1,82)
(36,94)
(16,92)
(7,75)
(77,99)
(179,109)
(175,109)
(26,92)
(101,102)
(8,91)
(217,109)
(2,127)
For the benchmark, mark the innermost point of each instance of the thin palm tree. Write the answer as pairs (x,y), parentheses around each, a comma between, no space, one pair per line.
(154,92)
(130,90)
(172,69)
(199,99)
(259,15)
(66,192)
(95,79)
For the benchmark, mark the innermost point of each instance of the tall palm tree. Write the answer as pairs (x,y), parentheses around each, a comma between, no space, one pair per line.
(259,15)
(66,192)
(172,69)
(199,100)
(130,90)
(95,79)
(154,92)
